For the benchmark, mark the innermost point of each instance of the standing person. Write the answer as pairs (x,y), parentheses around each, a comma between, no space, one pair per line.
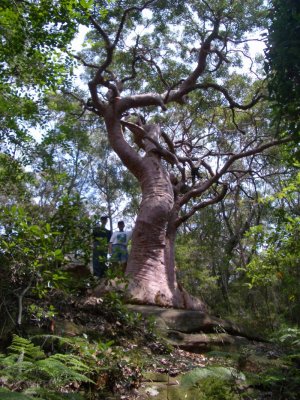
(101,238)
(118,245)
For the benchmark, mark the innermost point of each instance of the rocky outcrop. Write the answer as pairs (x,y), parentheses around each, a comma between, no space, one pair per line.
(194,330)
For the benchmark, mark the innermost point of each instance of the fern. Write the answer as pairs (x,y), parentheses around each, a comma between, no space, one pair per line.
(73,342)
(26,349)
(54,370)
(20,363)
(88,352)
(78,345)
(60,373)
(26,365)
(288,336)
(15,368)
(73,362)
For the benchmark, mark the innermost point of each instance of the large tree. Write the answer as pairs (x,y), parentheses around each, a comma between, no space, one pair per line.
(180,109)
(181,112)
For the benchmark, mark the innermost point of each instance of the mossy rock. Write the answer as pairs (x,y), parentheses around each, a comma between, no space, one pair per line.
(193,377)
(201,383)
(156,377)
(162,391)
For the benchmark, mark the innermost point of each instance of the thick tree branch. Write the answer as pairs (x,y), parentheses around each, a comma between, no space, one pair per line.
(130,158)
(158,70)
(141,136)
(135,59)
(221,59)
(203,53)
(110,46)
(140,100)
(207,167)
(188,84)
(197,191)
(103,34)
(229,98)
(168,141)
(82,60)
(125,15)
(203,204)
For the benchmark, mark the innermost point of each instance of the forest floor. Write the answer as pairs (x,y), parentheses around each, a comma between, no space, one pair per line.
(146,364)
(136,361)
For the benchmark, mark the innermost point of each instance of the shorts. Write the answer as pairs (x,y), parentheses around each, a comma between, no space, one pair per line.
(119,253)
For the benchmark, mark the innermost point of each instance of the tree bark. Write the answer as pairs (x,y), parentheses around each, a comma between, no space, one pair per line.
(151,264)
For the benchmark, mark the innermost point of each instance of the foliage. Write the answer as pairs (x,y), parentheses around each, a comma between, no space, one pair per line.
(40,314)
(212,382)
(32,255)
(215,389)
(289,336)
(209,253)
(34,37)
(192,262)
(274,267)
(283,383)
(73,224)
(27,366)
(30,30)
(29,249)
(14,180)
(283,62)
(68,365)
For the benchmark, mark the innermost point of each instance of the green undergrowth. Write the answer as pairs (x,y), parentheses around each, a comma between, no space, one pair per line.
(104,360)
(282,376)
(104,351)
(283,382)
(270,370)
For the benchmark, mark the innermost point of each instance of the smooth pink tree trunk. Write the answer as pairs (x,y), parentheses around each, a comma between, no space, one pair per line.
(151,264)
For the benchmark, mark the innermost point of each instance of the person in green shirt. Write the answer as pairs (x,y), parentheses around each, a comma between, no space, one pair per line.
(101,238)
